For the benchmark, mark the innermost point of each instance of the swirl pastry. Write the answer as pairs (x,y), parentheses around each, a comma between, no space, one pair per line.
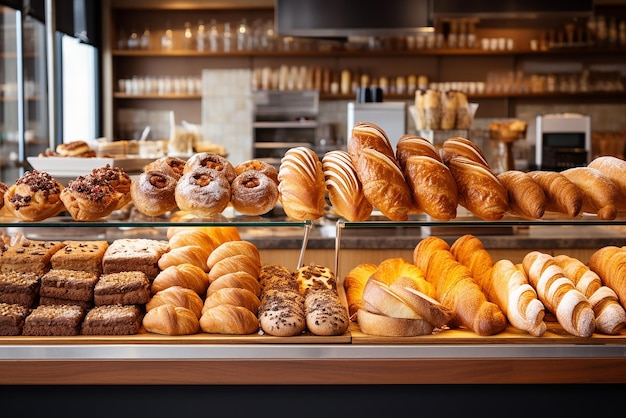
(301,188)
(171,166)
(463,147)
(383,183)
(369,135)
(34,197)
(480,191)
(409,145)
(258,165)
(345,191)
(153,193)
(87,198)
(118,179)
(203,192)
(253,193)
(212,161)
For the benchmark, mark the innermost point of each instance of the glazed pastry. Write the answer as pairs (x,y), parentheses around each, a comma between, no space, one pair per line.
(153,193)
(480,191)
(526,198)
(260,166)
(253,193)
(369,135)
(211,161)
(171,166)
(383,183)
(562,196)
(118,179)
(600,193)
(88,198)
(462,147)
(34,197)
(345,191)
(614,168)
(203,192)
(301,188)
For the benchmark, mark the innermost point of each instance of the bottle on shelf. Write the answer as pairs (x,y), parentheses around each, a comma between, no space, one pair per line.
(188,37)
(243,34)
(200,36)
(145,40)
(133,40)
(167,40)
(214,36)
(227,38)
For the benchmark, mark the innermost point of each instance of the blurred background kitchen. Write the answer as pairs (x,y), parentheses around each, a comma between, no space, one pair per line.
(252,78)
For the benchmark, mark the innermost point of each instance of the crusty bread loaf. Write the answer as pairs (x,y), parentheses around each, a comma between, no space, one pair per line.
(558,294)
(380,299)
(387,326)
(426,307)
(392,269)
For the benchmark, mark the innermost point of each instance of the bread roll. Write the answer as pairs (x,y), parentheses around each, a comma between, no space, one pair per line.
(600,193)
(281,315)
(177,296)
(186,275)
(260,166)
(610,315)
(189,254)
(171,320)
(324,313)
(386,326)
(312,277)
(194,237)
(479,189)
(229,319)
(170,166)
(253,193)
(232,296)
(345,190)
(562,196)
(301,188)
(614,168)
(526,198)
(558,294)
(234,264)
(203,192)
(212,162)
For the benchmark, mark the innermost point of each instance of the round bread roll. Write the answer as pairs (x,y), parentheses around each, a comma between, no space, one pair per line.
(171,166)
(229,319)
(171,320)
(253,193)
(325,314)
(260,166)
(387,326)
(88,198)
(177,296)
(34,197)
(203,192)
(281,316)
(233,296)
(210,161)
(153,193)
(186,275)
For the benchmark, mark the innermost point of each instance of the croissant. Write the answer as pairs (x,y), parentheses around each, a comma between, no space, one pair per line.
(369,135)
(562,196)
(234,264)
(558,294)
(413,145)
(190,254)
(239,279)
(610,315)
(217,234)
(433,187)
(462,147)
(383,183)
(233,296)
(232,248)
(177,296)
(171,320)
(345,191)
(229,319)
(614,168)
(526,197)
(456,289)
(600,193)
(610,264)
(354,283)
(301,187)
(185,237)
(185,275)
(480,191)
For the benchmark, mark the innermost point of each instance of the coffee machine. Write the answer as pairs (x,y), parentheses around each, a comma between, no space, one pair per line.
(563,141)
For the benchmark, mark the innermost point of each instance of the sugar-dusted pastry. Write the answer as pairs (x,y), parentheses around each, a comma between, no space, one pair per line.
(153,193)
(211,161)
(170,166)
(257,165)
(253,193)
(34,197)
(203,192)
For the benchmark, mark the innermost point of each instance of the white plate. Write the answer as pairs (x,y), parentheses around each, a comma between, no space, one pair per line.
(74,167)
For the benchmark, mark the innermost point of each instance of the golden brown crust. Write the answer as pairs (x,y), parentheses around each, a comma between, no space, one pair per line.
(203,192)
(369,135)
(233,248)
(177,296)
(526,198)
(600,193)
(238,279)
(34,197)
(253,193)
(233,296)
(301,188)
(184,237)
(153,193)
(414,145)
(171,320)
(118,179)
(462,147)
(229,319)
(614,168)
(345,191)
(88,198)
(185,275)
(72,149)
(354,283)
(260,166)
(235,263)
(188,254)
(562,196)
(480,191)
(171,166)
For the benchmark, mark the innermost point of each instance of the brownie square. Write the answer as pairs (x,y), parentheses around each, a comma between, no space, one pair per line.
(19,288)
(68,284)
(134,254)
(124,288)
(12,318)
(29,256)
(112,320)
(54,320)
(80,256)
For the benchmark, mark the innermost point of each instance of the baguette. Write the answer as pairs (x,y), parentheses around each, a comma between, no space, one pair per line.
(610,315)
(558,294)
(562,196)
(526,198)
(600,193)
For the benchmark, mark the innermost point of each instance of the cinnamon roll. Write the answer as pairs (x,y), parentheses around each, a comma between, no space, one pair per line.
(253,193)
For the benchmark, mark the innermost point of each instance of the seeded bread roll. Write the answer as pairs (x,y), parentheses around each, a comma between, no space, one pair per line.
(325,314)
